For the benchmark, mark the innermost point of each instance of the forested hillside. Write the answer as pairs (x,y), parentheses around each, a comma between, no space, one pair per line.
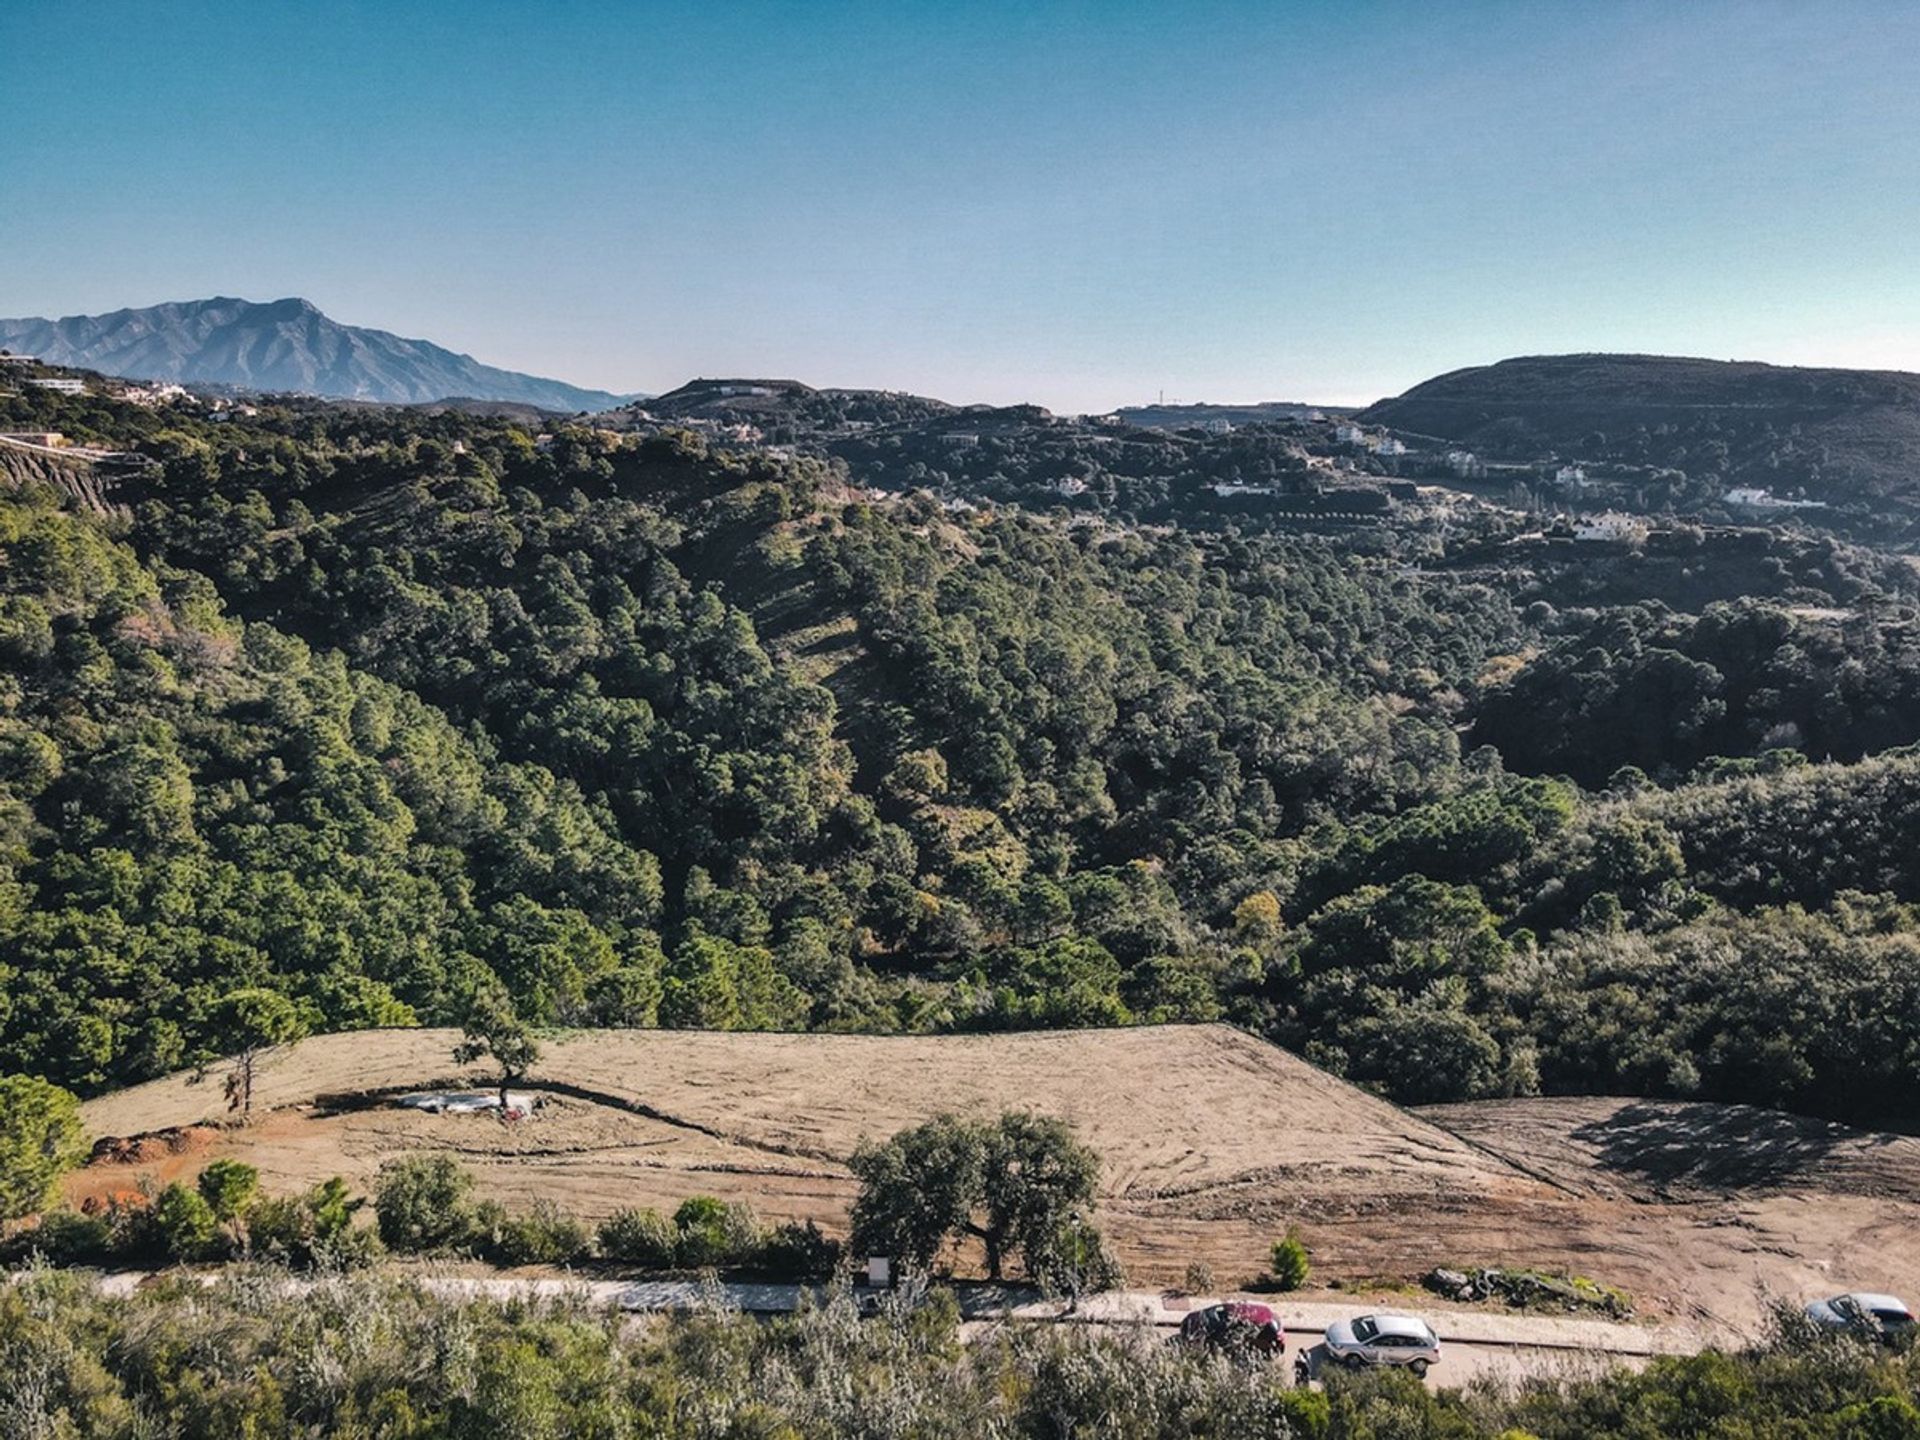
(385,711)
(1844,436)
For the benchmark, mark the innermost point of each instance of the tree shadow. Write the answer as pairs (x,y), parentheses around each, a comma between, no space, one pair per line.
(1691,1146)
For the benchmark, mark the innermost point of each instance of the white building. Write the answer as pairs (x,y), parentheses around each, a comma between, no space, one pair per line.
(1465,463)
(1214,425)
(1347,433)
(1070,485)
(64,385)
(1390,446)
(1613,526)
(1571,475)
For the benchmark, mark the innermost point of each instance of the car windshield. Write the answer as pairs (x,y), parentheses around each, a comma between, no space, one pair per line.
(1364,1328)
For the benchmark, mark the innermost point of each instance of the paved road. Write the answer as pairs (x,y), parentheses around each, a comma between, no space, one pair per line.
(1475,1343)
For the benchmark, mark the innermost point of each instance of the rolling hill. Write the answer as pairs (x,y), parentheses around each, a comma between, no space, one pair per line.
(285,345)
(1845,436)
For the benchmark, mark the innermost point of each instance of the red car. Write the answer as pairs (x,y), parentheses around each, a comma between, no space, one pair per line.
(1237,1327)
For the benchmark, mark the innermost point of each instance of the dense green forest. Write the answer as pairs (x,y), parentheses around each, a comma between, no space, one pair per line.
(384,710)
(370,1359)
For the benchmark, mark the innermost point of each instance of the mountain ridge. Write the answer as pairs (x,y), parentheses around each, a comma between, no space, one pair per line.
(282,345)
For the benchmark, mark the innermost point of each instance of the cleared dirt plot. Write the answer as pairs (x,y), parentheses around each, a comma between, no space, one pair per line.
(1214,1143)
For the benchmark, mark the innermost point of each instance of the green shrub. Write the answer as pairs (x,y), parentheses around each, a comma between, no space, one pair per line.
(40,1138)
(1290,1262)
(639,1237)
(63,1237)
(229,1188)
(184,1224)
(1073,1259)
(705,1233)
(794,1251)
(423,1202)
(542,1236)
(312,1230)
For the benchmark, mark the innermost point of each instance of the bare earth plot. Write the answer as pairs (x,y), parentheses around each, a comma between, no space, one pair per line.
(1214,1142)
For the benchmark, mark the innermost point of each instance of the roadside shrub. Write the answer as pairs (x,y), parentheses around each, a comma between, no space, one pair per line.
(314,1230)
(423,1202)
(712,1232)
(639,1237)
(798,1252)
(184,1224)
(63,1237)
(542,1236)
(1073,1260)
(1290,1262)
(229,1187)
(1199,1280)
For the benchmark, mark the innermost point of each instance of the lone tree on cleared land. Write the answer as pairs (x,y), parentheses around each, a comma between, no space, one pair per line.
(40,1140)
(1020,1184)
(493,1029)
(249,1024)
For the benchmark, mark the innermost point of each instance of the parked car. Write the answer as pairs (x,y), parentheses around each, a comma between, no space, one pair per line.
(1862,1310)
(1383,1340)
(1240,1327)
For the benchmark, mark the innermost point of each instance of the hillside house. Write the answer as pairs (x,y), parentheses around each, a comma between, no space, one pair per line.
(1570,477)
(1750,497)
(1612,527)
(1390,446)
(1466,464)
(61,384)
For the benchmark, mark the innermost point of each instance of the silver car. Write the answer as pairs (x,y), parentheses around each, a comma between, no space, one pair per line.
(1368,1340)
(1862,1310)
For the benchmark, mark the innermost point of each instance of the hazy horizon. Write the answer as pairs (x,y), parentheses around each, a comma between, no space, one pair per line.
(1080,206)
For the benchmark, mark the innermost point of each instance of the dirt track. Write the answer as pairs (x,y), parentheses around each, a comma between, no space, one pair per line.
(1214,1142)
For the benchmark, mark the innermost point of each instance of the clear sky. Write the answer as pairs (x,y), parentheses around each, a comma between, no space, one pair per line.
(1080,204)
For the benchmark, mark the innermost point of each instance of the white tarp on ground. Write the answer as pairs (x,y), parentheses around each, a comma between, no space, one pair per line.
(465,1102)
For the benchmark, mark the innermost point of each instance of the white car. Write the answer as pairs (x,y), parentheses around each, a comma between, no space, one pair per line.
(1369,1340)
(1862,1310)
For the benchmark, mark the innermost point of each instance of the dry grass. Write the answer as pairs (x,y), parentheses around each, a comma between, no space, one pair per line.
(1213,1142)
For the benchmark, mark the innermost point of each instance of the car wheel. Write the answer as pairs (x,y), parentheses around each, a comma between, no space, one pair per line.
(1419,1369)
(1355,1361)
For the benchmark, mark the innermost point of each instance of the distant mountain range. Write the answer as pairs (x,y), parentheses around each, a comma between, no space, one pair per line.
(1840,435)
(285,345)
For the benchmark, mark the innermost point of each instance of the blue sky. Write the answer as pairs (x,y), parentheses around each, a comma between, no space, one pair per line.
(1081,204)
